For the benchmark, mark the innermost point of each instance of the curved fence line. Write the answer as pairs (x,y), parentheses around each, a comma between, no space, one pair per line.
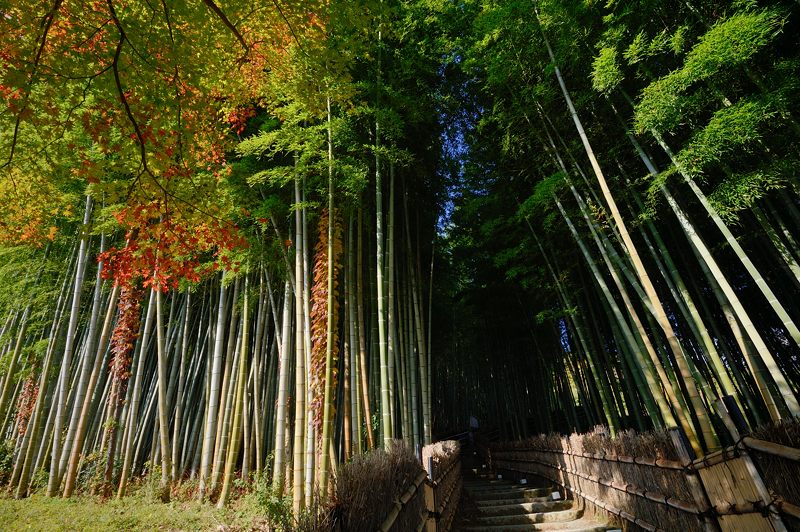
(730,489)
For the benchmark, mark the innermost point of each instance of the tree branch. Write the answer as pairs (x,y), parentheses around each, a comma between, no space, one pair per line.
(137,130)
(289,24)
(215,8)
(47,23)
(118,82)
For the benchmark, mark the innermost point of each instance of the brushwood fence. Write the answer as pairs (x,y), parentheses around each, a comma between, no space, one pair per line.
(443,463)
(391,491)
(431,501)
(650,482)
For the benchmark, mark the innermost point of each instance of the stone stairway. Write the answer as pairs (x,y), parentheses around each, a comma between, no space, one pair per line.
(504,505)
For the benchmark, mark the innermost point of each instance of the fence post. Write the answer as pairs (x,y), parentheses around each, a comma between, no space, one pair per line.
(430,505)
(710,523)
(758,482)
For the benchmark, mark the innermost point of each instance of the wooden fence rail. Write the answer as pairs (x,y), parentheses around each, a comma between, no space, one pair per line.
(764,453)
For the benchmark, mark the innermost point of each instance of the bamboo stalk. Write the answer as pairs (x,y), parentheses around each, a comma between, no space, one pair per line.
(774,449)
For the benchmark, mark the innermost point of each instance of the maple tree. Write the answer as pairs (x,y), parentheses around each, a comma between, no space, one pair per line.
(113,93)
(183,128)
(161,251)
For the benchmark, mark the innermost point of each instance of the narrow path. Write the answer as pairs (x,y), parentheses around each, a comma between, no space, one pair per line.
(504,505)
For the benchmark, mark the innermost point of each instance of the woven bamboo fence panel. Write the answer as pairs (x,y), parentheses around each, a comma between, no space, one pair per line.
(642,492)
(779,466)
(751,486)
(732,492)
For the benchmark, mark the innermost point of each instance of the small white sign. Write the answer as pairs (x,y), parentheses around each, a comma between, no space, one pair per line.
(555,496)
(523,481)
(483,466)
(499,477)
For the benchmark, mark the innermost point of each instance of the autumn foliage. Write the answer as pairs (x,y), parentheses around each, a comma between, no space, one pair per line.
(135,99)
(162,249)
(319,314)
(26,403)
(125,334)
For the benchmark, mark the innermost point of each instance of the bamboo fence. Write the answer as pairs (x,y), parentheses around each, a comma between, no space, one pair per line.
(445,484)
(642,491)
(430,502)
(779,466)
(753,485)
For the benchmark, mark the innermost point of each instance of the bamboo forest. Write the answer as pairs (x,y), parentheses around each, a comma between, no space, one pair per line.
(361,264)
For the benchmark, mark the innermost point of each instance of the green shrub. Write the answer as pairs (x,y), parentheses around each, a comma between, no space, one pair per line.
(273,504)
(91,472)
(6,460)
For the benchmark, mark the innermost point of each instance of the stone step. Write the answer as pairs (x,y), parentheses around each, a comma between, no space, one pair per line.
(484,479)
(578,525)
(503,504)
(502,485)
(512,493)
(499,502)
(531,518)
(499,485)
(525,508)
